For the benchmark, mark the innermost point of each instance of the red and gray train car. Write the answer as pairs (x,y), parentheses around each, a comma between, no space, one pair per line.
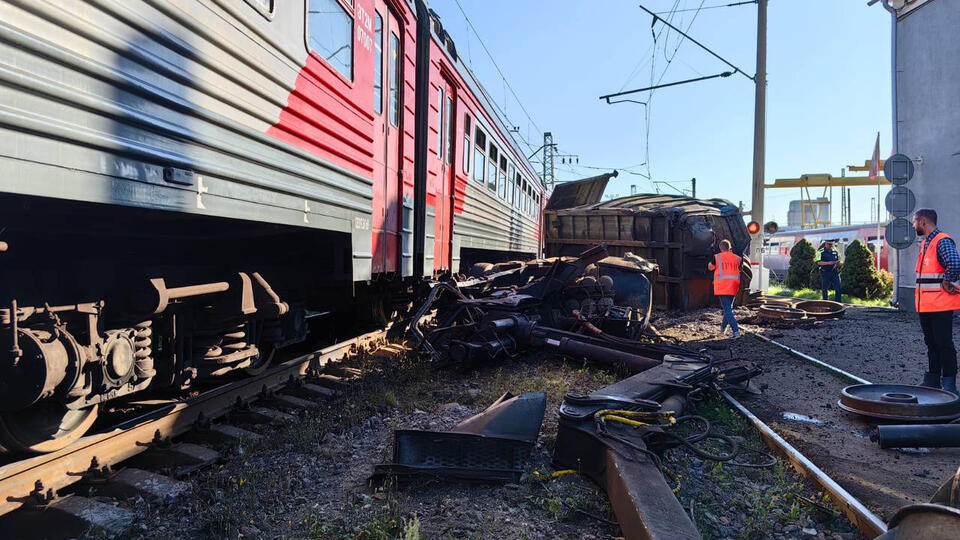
(183,184)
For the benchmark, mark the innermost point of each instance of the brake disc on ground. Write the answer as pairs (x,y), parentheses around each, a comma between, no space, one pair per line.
(900,402)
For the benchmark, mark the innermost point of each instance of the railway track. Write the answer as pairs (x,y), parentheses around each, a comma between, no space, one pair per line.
(862,518)
(34,482)
(859,507)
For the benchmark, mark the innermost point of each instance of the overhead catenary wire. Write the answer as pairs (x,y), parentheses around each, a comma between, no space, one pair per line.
(734,4)
(496,66)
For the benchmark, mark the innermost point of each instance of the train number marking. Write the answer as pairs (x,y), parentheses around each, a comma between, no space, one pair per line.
(361,223)
(364,29)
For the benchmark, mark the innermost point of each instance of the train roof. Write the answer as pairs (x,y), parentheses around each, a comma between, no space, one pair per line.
(449,48)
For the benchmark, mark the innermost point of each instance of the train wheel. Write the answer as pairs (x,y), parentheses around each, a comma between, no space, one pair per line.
(44,427)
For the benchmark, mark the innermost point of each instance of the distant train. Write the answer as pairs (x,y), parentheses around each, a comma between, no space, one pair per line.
(776,249)
(185,183)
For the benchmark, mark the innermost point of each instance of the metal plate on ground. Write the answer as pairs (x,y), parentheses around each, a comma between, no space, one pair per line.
(898,169)
(900,234)
(900,402)
(900,201)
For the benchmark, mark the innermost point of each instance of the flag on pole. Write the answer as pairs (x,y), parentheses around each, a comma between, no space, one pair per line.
(875,161)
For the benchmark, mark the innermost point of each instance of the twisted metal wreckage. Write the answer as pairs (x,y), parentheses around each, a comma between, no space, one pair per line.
(595,308)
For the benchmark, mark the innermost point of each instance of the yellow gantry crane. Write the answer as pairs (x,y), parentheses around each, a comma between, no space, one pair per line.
(827,181)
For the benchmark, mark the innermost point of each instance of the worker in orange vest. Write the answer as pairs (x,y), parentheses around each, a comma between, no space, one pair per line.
(936,298)
(726,284)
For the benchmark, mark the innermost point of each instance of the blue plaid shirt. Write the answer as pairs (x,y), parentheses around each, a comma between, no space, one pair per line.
(947,256)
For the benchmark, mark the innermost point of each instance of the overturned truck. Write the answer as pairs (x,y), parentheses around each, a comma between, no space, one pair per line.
(679,234)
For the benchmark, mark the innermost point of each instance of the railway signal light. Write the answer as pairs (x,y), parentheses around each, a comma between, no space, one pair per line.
(753,227)
(770,227)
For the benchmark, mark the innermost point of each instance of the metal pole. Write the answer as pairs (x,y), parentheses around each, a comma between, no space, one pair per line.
(759,130)
(849,207)
(694,182)
(878,221)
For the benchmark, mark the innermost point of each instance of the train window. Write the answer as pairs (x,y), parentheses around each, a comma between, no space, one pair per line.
(394,79)
(502,183)
(492,173)
(440,122)
(448,124)
(508,189)
(378,63)
(466,143)
(479,159)
(330,34)
(515,187)
(265,7)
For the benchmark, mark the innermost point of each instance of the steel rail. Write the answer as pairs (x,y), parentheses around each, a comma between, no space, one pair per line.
(38,478)
(862,518)
(806,357)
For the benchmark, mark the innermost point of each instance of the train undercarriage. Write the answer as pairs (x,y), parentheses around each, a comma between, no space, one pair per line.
(101,302)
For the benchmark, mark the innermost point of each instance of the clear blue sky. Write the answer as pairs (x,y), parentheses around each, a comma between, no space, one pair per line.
(828,91)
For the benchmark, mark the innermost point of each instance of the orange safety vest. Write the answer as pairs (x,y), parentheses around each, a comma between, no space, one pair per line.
(929,295)
(726,274)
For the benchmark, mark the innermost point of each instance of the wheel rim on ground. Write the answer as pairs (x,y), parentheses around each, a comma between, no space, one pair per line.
(44,427)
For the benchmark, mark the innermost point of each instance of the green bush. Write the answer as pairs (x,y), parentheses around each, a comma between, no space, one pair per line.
(859,274)
(887,279)
(801,263)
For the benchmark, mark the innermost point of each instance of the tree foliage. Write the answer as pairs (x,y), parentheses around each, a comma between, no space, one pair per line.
(859,274)
(801,263)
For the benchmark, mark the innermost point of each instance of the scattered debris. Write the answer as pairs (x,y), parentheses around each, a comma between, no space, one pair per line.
(567,305)
(491,446)
(937,520)
(614,436)
(796,417)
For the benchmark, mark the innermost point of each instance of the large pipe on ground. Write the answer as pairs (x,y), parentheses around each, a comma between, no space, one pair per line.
(601,355)
(918,436)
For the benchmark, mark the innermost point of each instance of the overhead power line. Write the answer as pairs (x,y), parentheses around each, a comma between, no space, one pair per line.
(701,45)
(497,66)
(735,4)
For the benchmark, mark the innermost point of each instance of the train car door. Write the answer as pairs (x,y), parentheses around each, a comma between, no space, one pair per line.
(447,143)
(388,116)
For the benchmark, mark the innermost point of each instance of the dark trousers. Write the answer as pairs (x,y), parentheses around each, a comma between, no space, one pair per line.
(831,281)
(938,335)
(726,304)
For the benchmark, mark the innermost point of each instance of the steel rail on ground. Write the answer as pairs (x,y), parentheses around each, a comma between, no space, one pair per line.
(806,357)
(866,521)
(38,478)
(862,518)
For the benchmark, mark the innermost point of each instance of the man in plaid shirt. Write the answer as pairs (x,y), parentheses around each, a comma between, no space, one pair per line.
(938,270)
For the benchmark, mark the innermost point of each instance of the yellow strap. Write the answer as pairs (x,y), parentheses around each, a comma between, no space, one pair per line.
(670,416)
(552,476)
(622,420)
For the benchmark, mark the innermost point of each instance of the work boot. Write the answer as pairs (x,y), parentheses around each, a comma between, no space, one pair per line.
(950,384)
(931,380)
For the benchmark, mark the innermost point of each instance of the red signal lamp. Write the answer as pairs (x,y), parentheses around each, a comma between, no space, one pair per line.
(753,227)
